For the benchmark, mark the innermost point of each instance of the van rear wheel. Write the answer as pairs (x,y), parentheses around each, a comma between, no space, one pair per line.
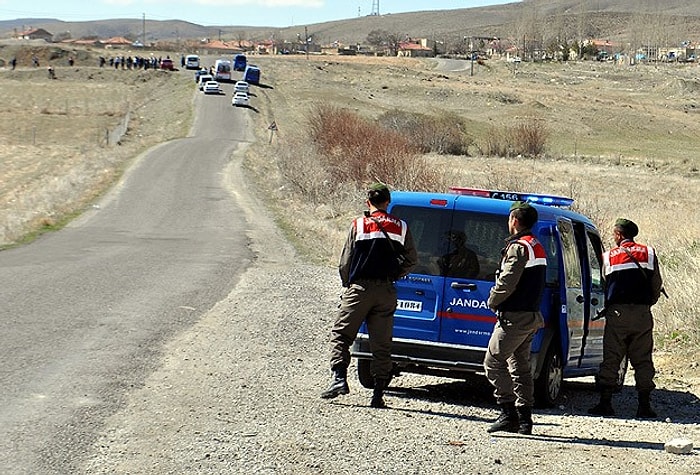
(365,375)
(548,383)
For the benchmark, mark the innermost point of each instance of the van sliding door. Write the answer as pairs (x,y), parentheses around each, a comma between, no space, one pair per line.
(573,305)
(592,354)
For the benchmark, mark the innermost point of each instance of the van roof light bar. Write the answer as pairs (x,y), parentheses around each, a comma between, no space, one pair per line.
(546,200)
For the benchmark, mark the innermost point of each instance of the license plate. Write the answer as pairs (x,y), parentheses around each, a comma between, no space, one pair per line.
(409,305)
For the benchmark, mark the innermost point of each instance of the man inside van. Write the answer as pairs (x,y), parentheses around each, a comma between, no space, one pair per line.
(461,261)
(515,299)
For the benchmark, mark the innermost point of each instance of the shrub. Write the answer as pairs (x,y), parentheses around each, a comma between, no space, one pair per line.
(353,149)
(527,138)
(530,137)
(443,134)
(496,143)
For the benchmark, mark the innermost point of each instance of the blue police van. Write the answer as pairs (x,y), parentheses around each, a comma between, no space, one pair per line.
(251,74)
(240,62)
(442,324)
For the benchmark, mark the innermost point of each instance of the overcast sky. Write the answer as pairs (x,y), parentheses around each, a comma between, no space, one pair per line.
(278,13)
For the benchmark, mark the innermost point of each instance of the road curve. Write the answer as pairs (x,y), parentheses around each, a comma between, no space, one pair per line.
(85,311)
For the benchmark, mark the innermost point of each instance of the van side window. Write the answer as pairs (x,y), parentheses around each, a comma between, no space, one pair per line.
(572,265)
(548,240)
(595,250)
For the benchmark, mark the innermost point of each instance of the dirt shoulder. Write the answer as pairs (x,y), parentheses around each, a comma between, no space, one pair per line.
(239,393)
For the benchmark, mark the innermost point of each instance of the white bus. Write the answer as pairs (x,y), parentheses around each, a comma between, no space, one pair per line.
(192,61)
(222,70)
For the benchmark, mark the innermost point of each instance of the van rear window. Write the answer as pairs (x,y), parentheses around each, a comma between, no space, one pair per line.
(460,244)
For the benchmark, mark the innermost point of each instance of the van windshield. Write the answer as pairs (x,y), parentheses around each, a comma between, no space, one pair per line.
(461,244)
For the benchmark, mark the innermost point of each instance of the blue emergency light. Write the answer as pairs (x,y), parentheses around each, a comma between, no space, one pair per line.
(546,200)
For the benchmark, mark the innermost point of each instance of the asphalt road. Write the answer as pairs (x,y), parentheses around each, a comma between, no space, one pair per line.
(84,312)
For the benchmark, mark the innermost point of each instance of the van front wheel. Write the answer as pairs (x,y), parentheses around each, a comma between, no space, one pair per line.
(548,383)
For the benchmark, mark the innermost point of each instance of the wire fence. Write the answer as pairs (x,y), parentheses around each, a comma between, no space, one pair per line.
(40,134)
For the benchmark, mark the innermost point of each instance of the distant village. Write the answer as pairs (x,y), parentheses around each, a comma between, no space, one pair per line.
(475,48)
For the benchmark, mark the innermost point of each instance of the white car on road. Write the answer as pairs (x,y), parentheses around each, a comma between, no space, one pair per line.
(203,79)
(241,86)
(211,87)
(240,99)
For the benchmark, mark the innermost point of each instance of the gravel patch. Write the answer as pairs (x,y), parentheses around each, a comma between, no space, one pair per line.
(239,393)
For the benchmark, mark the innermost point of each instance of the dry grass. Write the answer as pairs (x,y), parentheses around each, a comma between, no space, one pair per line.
(622,141)
(53,133)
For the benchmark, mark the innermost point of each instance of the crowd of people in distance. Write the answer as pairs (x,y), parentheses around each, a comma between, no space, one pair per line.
(128,62)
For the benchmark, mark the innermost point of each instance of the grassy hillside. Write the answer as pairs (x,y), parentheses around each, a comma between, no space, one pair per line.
(601,18)
(622,142)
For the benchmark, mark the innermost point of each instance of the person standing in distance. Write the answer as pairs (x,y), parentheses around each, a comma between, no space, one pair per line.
(368,268)
(515,299)
(632,285)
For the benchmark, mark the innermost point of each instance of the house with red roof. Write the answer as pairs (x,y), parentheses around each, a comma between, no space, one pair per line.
(35,34)
(116,42)
(415,49)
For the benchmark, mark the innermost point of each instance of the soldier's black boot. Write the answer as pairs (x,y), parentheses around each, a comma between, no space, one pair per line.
(378,394)
(604,407)
(524,420)
(339,384)
(507,421)
(644,411)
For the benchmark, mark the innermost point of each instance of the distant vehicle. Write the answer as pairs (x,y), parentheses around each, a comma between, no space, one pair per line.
(515,59)
(211,87)
(203,79)
(240,99)
(251,75)
(192,61)
(167,64)
(241,86)
(240,62)
(199,73)
(222,70)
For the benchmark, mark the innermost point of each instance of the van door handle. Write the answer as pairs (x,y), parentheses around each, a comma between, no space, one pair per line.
(460,286)
(580,299)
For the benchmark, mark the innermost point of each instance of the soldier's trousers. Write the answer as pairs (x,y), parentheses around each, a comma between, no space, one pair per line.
(374,302)
(630,334)
(507,360)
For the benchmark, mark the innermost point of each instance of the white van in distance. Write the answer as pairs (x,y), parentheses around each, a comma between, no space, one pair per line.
(192,61)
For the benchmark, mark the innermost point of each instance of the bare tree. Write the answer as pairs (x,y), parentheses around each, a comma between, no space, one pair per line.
(384,39)
(240,38)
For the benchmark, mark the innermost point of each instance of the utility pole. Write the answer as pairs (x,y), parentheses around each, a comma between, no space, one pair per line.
(143,25)
(306,42)
(471,55)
